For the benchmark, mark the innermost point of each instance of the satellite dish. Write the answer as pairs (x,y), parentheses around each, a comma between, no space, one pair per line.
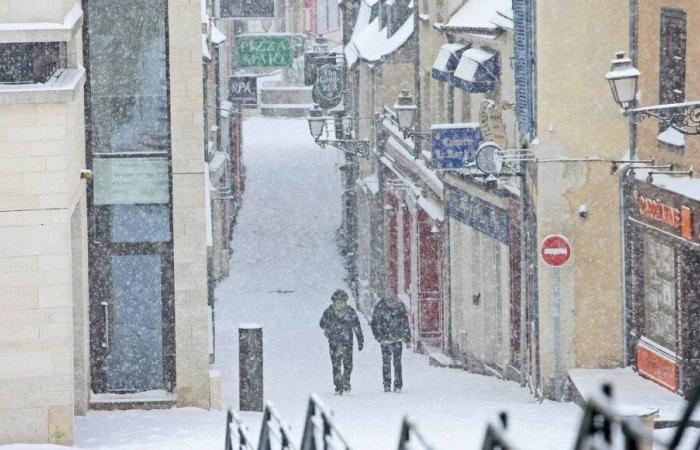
(489,158)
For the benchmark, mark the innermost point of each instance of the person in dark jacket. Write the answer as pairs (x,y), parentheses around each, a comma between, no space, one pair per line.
(390,327)
(339,322)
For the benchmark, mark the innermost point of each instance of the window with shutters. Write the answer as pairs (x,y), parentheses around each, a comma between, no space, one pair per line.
(672,62)
(524,66)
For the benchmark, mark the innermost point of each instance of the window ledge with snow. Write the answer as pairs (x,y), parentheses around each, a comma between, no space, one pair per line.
(62,88)
(671,137)
(43,31)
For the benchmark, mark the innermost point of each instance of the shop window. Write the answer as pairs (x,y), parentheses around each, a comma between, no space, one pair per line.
(29,63)
(660,292)
(672,67)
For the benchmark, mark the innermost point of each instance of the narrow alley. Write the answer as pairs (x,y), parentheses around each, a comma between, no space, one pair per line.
(286,265)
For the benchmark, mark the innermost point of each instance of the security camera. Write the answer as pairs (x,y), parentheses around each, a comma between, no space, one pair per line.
(583,211)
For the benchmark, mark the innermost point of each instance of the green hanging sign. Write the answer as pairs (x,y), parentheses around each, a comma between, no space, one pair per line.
(255,50)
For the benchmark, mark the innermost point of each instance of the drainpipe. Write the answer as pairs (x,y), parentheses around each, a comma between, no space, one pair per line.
(417,77)
(623,177)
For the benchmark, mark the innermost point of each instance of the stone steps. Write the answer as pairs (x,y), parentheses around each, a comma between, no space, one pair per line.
(285,101)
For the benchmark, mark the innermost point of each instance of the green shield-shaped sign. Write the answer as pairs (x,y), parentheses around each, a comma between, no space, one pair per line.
(329,85)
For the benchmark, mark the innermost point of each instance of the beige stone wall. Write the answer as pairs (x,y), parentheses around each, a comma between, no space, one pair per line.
(41,154)
(577,118)
(34,10)
(191,313)
(648,60)
(43,252)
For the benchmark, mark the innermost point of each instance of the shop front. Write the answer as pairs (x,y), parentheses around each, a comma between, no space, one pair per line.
(414,259)
(484,266)
(662,257)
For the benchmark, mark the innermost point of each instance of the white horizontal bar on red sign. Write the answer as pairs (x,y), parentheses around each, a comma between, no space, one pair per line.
(556,251)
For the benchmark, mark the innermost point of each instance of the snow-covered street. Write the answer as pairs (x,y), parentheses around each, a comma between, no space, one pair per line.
(285,267)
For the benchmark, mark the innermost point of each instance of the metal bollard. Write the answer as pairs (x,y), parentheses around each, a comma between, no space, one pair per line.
(250,367)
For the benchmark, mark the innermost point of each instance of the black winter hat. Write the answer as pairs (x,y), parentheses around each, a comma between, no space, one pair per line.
(339,295)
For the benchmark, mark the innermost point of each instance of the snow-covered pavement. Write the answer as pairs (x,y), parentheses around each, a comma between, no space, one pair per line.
(284,268)
(286,265)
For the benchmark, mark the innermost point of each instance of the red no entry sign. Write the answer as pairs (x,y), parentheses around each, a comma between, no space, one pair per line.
(555,250)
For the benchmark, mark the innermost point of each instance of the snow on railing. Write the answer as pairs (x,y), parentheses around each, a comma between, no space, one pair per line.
(604,427)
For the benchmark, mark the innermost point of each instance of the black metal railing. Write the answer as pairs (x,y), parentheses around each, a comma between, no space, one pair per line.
(603,427)
(410,438)
(320,432)
(496,437)
(274,433)
(235,430)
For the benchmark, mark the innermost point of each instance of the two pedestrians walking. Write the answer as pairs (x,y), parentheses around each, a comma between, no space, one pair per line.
(390,328)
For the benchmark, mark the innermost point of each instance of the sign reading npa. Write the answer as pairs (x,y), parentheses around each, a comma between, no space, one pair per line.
(455,145)
(243,90)
(248,9)
(263,50)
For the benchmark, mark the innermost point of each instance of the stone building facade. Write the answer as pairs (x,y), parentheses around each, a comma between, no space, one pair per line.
(660,212)
(103,158)
(44,364)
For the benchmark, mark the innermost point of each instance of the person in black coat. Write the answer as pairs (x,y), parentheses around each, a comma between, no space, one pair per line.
(390,327)
(339,322)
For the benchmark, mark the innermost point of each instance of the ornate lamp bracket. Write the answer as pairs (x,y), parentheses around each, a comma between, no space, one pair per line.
(417,136)
(356,147)
(683,117)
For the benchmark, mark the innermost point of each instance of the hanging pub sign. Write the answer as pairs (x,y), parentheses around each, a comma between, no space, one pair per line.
(263,50)
(248,9)
(491,122)
(312,61)
(329,86)
(454,145)
(243,90)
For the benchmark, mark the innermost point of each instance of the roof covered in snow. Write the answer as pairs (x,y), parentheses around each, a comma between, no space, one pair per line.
(487,16)
(370,41)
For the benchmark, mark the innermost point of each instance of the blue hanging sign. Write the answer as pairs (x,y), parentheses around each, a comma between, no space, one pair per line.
(455,145)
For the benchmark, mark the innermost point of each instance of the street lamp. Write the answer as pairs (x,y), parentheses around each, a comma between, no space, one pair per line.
(406,110)
(317,124)
(623,78)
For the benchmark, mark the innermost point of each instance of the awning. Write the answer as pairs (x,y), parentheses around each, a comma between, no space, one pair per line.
(478,71)
(217,36)
(370,39)
(447,61)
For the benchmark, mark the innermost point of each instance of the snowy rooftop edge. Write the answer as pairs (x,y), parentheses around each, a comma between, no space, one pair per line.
(47,31)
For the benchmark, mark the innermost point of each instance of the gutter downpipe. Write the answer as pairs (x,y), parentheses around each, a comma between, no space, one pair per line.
(621,187)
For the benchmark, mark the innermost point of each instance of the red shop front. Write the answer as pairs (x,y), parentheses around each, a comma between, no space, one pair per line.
(414,259)
(662,256)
